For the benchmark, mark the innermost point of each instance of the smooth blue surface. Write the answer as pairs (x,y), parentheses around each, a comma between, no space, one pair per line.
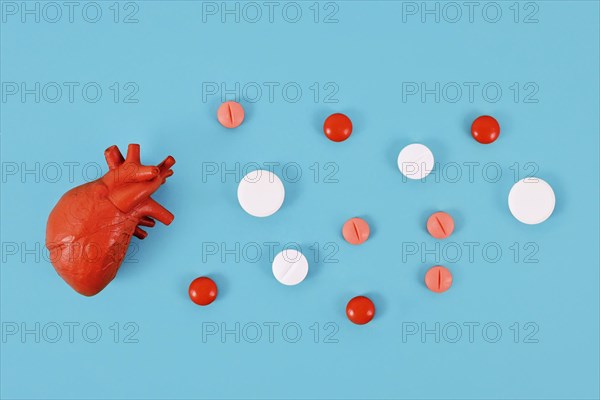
(367,55)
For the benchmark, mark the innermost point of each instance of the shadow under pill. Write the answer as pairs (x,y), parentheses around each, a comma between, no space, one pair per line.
(222,284)
(292,190)
(438,149)
(560,194)
(357,117)
(372,227)
(314,258)
(248,114)
(458,218)
(381,305)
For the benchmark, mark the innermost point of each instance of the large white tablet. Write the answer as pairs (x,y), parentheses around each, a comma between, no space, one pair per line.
(261,193)
(290,267)
(531,200)
(415,161)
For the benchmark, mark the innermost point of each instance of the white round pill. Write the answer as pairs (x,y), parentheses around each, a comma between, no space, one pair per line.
(531,200)
(290,267)
(415,161)
(261,193)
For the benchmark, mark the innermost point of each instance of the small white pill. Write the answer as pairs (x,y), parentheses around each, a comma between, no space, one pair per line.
(261,193)
(290,267)
(415,161)
(531,200)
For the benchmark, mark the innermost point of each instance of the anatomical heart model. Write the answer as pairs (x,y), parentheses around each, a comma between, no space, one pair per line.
(90,227)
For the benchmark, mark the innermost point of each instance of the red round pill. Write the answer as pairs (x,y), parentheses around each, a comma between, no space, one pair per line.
(440,225)
(438,279)
(360,310)
(356,231)
(337,127)
(203,291)
(485,129)
(230,114)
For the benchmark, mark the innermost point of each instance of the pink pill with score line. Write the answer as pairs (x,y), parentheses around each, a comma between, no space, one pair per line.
(440,225)
(230,114)
(356,231)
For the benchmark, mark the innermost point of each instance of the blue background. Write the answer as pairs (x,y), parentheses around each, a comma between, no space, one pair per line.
(366,55)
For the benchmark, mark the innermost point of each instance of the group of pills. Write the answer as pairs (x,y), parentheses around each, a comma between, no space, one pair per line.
(261,193)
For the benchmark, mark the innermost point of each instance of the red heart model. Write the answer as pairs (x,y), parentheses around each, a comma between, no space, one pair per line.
(90,227)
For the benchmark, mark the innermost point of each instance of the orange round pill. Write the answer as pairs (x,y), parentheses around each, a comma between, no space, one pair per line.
(356,231)
(485,129)
(230,114)
(440,225)
(438,279)
(337,127)
(360,310)
(203,291)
